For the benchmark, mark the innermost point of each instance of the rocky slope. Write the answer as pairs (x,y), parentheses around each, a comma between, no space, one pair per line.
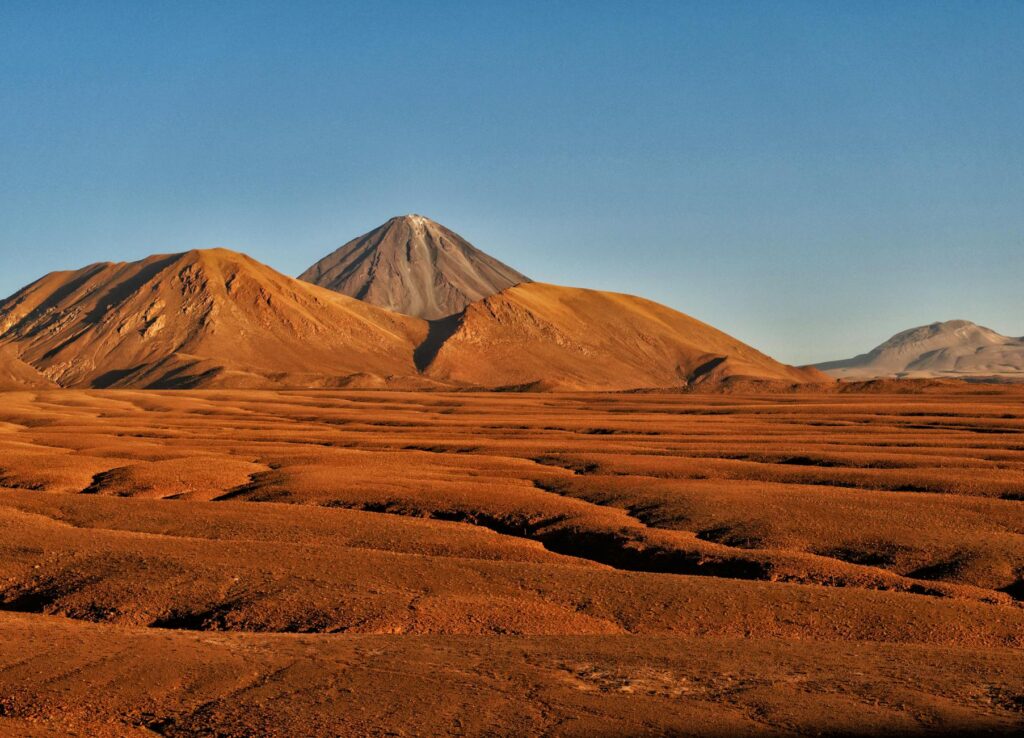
(414,266)
(16,374)
(217,319)
(202,318)
(550,337)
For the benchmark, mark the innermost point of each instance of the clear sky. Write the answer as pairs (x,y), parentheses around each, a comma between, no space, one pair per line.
(808,176)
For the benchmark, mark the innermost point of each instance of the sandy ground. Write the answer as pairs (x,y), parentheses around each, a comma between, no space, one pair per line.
(380,563)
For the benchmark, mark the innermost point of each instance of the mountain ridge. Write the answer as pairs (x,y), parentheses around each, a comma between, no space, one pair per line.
(215,318)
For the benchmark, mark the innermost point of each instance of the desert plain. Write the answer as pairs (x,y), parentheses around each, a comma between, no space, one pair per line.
(350,563)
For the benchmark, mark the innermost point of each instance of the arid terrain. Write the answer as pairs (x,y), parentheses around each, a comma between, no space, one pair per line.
(218,319)
(511,369)
(325,562)
(955,349)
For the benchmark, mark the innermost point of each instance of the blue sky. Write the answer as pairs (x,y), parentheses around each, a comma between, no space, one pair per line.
(808,176)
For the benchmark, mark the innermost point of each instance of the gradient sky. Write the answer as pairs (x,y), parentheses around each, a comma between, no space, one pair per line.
(811,177)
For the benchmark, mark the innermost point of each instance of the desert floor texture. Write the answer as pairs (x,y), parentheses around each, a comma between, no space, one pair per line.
(293,563)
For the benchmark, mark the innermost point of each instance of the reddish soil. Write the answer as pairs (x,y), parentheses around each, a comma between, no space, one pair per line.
(285,563)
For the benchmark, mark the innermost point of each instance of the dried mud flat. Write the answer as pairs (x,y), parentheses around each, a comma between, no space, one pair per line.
(233,563)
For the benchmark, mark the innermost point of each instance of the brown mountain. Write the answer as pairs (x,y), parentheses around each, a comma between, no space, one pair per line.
(202,318)
(554,337)
(414,266)
(955,349)
(220,319)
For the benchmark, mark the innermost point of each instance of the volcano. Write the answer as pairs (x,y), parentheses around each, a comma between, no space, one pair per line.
(413,266)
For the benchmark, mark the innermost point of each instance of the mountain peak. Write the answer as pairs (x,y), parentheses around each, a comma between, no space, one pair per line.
(413,265)
(946,326)
(414,223)
(941,332)
(952,325)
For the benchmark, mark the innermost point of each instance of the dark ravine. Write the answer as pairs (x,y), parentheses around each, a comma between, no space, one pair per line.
(438,332)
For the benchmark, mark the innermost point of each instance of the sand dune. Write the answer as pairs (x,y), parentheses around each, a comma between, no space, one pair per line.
(955,349)
(414,266)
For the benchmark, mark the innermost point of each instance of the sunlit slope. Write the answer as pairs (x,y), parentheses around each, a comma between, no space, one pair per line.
(200,319)
(569,338)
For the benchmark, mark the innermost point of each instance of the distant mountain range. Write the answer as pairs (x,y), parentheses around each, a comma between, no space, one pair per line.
(409,305)
(955,349)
